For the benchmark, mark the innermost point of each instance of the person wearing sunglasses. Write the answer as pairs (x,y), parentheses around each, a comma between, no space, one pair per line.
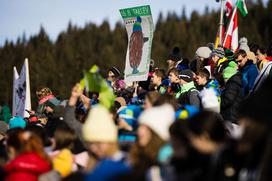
(248,69)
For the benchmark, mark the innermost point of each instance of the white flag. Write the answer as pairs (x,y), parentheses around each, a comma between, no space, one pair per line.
(21,92)
(231,37)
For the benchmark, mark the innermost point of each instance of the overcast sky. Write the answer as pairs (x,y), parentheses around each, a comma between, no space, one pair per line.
(26,16)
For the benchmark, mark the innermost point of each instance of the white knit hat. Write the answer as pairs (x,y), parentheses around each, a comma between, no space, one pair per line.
(99,126)
(159,119)
(203,52)
(243,44)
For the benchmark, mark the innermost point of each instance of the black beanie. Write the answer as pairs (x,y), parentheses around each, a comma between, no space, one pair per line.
(175,55)
(186,75)
(115,71)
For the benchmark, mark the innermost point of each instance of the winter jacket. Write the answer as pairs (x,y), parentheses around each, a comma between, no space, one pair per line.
(130,115)
(264,74)
(108,170)
(218,71)
(231,97)
(164,86)
(189,95)
(250,73)
(5,114)
(27,166)
(70,120)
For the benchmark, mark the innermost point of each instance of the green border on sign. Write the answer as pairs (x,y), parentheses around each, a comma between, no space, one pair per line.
(135,11)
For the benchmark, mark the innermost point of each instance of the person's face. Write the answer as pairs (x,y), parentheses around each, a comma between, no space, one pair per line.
(173,78)
(156,80)
(100,149)
(201,80)
(241,61)
(260,56)
(144,135)
(201,59)
(215,58)
(110,76)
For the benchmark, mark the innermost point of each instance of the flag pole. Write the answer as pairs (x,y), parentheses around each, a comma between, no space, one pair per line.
(221,22)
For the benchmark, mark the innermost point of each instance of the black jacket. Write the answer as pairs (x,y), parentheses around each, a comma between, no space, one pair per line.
(231,98)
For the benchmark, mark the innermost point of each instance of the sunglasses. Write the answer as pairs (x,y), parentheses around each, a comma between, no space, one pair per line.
(239,60)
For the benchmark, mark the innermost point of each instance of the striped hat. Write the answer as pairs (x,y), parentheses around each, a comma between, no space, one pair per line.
(218,52)
(115,71)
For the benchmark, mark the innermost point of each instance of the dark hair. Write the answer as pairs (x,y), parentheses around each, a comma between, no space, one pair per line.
(167,98)
(14,140)
(240,52)
(179,131)
(204,73)
(208,122)
(175,71)
(262,50)
(254,47)
(26,142)
(160,73)
(144,157)
(64,137)
(152,96)
(39,131)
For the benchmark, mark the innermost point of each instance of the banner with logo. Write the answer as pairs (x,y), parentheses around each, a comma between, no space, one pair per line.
(21,92)
(139,25)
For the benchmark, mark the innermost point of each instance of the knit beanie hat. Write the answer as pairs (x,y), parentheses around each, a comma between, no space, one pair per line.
(230,70)
(229,55)
(203,52)
(99,126)
(63,162)
(243,44)
(159,119)
(218,52)
(186,75)
(115,71)
(210,45)
(175,55)
(17,122)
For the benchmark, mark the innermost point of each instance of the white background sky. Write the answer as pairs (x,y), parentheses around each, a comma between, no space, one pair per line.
(26,16)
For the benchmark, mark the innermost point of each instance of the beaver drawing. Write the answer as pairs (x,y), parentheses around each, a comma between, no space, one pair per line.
(136,44)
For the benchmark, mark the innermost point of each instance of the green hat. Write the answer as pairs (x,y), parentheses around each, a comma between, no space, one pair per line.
(230,70)
(229,55)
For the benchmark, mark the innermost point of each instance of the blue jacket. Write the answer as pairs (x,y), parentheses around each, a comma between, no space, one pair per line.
(250,73)
(108,170)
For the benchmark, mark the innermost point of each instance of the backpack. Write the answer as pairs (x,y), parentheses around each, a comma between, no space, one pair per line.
(184,98)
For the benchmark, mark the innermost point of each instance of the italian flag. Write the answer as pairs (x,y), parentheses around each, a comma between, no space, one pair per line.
(231,38)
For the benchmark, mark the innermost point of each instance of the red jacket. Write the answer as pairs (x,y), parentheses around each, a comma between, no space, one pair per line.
(26,166)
